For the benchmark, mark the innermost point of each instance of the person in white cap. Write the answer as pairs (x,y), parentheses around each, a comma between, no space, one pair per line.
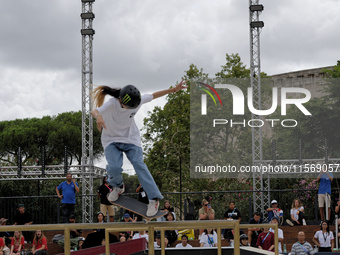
(274,211)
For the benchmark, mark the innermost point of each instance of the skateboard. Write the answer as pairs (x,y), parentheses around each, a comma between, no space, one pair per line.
(136,206)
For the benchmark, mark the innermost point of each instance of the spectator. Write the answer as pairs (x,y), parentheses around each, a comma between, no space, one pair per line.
(253,233)
(324,238)
(69,189)
(244,240)
(205,213)
(74,235)
(296,214)
(157,243)
(301,246)
(336,210)
(167,207)
(324,191)
(208,238)
(23,218)
(141,234)
(39,244)
(127,218)
(81,240)
(231,214)
(105,206)
(171,234)
(274,211)
(4,250)
(17,243)
(4,234)
(265,241)
(142,197)
(275,220)
(184,243)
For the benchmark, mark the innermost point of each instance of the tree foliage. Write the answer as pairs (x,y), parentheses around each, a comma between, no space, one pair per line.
(167,145)
(52,133)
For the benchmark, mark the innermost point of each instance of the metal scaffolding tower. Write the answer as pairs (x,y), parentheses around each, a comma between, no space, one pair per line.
(87,33)
(255,9)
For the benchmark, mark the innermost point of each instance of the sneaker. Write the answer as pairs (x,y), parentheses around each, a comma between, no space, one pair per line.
(114,194)
(289,223)
(304,222)
(152,208)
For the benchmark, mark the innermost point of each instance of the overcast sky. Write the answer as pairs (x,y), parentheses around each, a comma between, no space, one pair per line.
(150,44)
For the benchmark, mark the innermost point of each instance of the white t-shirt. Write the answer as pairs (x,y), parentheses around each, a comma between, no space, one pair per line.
(324,238)
(120,122)
(179,245)
(280,235)
(294,212)
(137,236)
(209,240)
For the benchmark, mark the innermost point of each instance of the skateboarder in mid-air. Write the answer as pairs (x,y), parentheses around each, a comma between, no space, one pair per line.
(115,118)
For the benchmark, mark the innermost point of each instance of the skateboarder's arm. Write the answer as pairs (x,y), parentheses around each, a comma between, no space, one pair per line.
(100,120)
(168,91)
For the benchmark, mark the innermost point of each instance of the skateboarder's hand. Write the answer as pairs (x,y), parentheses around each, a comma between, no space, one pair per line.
(100,123)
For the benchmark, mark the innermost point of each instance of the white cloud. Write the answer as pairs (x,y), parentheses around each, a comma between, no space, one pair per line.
(149,44)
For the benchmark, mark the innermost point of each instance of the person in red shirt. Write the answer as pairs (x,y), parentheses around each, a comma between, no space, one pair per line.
(265,240)
(3,248)
(17,243)
(39,244)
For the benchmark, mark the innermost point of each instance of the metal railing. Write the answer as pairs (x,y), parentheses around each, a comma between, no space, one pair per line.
(43,208)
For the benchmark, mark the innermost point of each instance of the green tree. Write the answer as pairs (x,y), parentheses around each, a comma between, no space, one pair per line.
(233,68)
(52,133)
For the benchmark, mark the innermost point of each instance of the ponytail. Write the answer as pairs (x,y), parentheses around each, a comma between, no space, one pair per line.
(99,93)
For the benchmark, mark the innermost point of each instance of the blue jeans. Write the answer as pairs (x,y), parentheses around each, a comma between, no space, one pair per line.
(114,157)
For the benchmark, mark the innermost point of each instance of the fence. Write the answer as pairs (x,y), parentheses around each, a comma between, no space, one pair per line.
(43,208)
(151,227)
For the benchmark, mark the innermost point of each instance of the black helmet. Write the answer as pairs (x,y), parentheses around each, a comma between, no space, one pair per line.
(243,237)
(130,96)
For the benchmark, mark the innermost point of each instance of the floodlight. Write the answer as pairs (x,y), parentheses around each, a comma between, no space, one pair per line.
(254,24)
(87,32)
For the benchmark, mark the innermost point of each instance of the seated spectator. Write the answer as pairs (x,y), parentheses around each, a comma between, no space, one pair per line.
(167,207)
(275,220)
(265,241)
(81,241)
(231,214)
(253,233)
(141,234)
(171,234)
(74,235)
(244,240)
(274,211)
(324,238)
(296,214)
(4,250)
(301,246)
(124,237)
(17,243)
(157,243)
(23,218)
(208,238)
(127,218)
(39,244)
(336,210)
(205,213)
(101,219)
(5,234)
(184,243)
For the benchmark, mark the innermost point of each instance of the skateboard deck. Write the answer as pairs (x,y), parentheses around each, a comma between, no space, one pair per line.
(136,206)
